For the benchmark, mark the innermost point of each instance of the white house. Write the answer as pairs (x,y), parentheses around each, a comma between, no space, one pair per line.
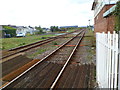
(47,30)
(22,31)
(31,30)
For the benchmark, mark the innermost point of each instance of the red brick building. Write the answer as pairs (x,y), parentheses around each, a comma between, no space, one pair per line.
(104,21)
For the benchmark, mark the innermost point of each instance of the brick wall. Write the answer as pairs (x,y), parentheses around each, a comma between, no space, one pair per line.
(104,24)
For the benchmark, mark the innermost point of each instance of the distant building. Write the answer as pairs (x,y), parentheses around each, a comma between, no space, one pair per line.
(69,26)
(31,30)
(25,30)
(46,30)
(104,21)
(21,31)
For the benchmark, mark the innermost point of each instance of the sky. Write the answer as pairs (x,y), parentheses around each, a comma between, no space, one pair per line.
(46,13)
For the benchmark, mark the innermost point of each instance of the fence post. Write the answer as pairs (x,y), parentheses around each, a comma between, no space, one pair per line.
(116,61)
(97,58)
(119,61)
(109,58)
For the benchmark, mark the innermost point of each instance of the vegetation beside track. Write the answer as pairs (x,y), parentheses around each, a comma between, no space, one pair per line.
(90,37)
(90,45)
(8,43)
(45,48)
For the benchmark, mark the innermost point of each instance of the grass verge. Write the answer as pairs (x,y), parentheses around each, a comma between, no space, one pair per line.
(8,43)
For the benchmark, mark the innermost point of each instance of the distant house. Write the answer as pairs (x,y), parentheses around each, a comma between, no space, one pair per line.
(21,30)
(46,30)
(31,30)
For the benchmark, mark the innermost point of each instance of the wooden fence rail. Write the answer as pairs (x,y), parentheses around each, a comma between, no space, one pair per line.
(107,60)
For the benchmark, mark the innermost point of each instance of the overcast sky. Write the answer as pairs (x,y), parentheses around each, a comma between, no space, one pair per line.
(46,13)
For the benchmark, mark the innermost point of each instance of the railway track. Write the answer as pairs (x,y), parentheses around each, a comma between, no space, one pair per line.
(13,65)
(24,48)
(49,69)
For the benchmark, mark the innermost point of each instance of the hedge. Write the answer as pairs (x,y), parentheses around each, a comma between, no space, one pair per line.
(12,32)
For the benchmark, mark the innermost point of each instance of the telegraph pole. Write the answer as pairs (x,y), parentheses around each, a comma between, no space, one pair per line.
(89,24)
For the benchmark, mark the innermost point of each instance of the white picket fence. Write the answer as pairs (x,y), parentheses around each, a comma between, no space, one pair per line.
(107,62)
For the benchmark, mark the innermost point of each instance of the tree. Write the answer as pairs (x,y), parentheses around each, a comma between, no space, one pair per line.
(54,28)
(40,30)
(117,17)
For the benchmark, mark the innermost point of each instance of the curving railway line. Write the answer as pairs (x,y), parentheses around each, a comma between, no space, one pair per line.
(56,70)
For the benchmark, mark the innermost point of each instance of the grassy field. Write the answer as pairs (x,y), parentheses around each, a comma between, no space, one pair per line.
(8,43)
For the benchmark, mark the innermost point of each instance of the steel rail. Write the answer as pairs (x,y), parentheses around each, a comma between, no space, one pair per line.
(25,49)
(65,65)
(8,83)
(55,37)
(13,49)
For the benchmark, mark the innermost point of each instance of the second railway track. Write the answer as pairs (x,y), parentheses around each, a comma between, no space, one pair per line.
(24,48)
(47,72)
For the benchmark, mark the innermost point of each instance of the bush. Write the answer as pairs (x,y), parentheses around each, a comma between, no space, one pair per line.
(117,17)
(12,32)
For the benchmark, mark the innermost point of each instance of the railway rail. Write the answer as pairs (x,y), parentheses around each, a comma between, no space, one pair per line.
(48,70)
(14,64)
(24,48)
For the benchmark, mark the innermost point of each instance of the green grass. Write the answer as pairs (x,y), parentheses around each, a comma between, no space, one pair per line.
(8,43)
(43,49)
(0,33)
(39,51)
(71,30)
(89,33)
